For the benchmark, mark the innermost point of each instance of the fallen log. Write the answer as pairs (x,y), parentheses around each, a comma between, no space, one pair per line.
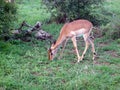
(32,31)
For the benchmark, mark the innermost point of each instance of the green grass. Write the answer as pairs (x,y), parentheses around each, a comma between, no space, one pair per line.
(25,65)
(32,11)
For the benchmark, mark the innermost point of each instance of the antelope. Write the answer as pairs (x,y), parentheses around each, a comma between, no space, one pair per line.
(72,30)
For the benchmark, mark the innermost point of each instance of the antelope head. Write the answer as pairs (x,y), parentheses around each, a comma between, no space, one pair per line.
(52,51)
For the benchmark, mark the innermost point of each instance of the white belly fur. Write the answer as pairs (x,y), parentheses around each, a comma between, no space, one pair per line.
(78,33)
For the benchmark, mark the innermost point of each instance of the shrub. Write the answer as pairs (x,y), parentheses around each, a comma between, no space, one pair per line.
(112,29)
(7,17)
(69,10)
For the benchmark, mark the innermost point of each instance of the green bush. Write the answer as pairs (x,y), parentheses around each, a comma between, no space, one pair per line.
(69,10)
(5,47)
(7,17)
(112,29)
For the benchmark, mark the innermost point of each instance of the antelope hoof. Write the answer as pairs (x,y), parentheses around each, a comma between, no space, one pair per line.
(80,59)
(94,58)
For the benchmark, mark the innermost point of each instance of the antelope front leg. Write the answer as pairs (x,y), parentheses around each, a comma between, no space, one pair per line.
(86,39)
(93,48)
(63,47)
(86,47)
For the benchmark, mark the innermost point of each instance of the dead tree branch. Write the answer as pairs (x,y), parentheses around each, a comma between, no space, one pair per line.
(32,31)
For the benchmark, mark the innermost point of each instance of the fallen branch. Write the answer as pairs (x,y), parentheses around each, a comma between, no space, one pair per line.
(32,31)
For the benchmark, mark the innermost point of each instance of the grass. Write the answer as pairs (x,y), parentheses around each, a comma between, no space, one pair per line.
(25,66)
(32,11)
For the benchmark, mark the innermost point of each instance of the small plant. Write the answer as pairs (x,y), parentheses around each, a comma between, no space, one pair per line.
(5,46)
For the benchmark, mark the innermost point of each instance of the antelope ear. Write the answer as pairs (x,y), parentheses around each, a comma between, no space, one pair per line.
(54,42)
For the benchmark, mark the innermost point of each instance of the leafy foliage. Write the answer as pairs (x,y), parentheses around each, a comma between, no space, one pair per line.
(112,29)
(7,16)
(70,10)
